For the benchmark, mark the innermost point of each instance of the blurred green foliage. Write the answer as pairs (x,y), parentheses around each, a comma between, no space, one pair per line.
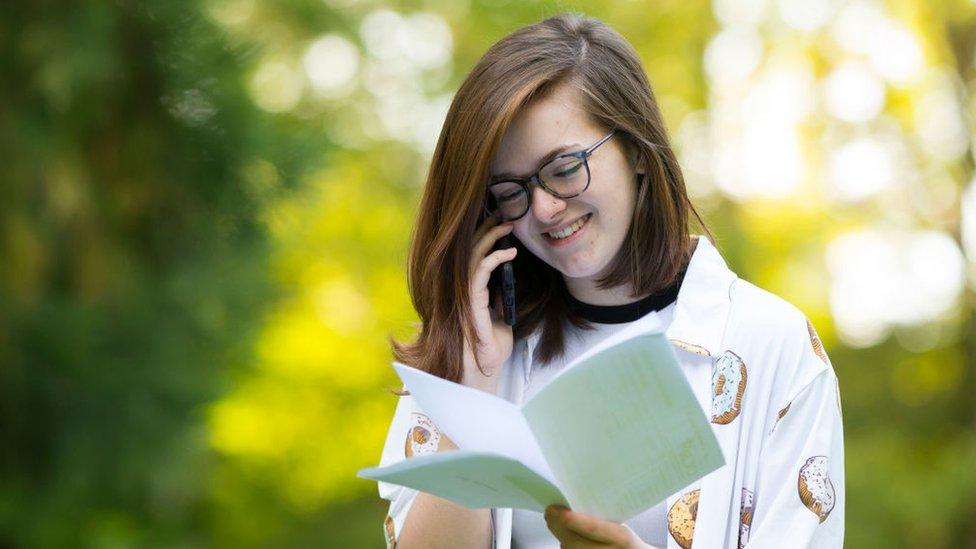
(203,234)
(134,265)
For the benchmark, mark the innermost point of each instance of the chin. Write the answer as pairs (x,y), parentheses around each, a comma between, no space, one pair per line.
(570,267)
(582,271)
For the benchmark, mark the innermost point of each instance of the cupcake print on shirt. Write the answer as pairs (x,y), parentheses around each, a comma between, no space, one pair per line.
(728,386)
(816,490)
(682,517)
(422,436)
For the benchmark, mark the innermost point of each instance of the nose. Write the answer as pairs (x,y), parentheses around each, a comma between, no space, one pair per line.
(546,207)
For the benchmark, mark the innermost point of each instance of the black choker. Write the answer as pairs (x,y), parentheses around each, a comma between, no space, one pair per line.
(628,312)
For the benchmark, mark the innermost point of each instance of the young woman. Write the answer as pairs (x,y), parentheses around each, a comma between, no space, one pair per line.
(556,140)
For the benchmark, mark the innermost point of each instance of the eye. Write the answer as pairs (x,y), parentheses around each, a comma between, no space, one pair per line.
(506,192)
(570,169)
(562,168)
(508,197)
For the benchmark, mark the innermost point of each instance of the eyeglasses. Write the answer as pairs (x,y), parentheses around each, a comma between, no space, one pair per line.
(565,176)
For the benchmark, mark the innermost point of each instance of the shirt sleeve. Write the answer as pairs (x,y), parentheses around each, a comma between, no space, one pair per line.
(799,496)
(411,433)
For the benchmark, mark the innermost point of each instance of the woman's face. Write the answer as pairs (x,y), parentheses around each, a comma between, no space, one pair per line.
(605,208)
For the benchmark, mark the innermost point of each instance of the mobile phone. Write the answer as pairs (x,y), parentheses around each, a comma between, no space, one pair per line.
(506,280)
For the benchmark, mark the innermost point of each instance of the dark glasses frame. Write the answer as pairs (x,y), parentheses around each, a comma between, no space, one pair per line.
(535,179)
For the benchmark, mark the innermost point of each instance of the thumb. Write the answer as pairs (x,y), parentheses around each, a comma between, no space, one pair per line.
(635,541)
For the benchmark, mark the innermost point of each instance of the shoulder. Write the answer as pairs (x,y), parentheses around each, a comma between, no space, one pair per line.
(760,317)
(776,336)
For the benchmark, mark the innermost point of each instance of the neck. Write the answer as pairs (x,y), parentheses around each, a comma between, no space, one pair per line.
(585,290)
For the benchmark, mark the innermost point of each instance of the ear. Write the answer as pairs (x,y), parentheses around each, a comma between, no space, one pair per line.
(630,150)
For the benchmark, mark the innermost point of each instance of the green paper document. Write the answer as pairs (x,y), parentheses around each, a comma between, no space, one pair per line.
(614,433)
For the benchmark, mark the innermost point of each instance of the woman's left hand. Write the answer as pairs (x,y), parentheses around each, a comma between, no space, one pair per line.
(574,530)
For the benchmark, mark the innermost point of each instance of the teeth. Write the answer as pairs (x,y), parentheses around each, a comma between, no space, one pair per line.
(568,230)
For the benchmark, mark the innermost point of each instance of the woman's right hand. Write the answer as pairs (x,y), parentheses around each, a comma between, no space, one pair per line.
(494,335)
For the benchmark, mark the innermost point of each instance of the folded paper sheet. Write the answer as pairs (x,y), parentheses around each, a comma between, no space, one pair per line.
(614,433)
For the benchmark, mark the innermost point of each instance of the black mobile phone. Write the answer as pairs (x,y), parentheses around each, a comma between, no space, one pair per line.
(505,281)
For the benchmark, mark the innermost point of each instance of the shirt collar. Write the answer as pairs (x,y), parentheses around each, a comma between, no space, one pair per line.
(700,310)
(703,303)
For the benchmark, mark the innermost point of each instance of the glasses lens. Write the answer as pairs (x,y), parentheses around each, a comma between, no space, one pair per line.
(567,176)
(507,200)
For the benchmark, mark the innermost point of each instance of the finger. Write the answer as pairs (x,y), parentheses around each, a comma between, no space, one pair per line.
(555,521)
(482,230)
(591,528)
(486,242)
(569,539)
(566,537)
(482,273)
(488,223)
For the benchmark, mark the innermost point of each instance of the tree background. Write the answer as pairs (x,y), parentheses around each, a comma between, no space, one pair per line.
(206,208)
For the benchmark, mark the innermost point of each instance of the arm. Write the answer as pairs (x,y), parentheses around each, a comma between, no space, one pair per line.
(437,522)
(418,519)
(799,493)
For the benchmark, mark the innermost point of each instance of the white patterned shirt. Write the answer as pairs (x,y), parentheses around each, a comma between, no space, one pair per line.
(761,376)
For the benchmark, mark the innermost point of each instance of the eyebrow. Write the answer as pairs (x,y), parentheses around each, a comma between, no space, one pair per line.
(506,176)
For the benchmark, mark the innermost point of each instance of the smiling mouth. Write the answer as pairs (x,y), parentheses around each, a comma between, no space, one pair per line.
(568,231)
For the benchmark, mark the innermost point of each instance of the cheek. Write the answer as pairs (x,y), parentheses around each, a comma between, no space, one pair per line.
(519,231)
(620,209)
(532,242)
(523,236)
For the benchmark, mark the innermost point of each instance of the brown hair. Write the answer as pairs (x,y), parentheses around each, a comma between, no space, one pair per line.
(523,66)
